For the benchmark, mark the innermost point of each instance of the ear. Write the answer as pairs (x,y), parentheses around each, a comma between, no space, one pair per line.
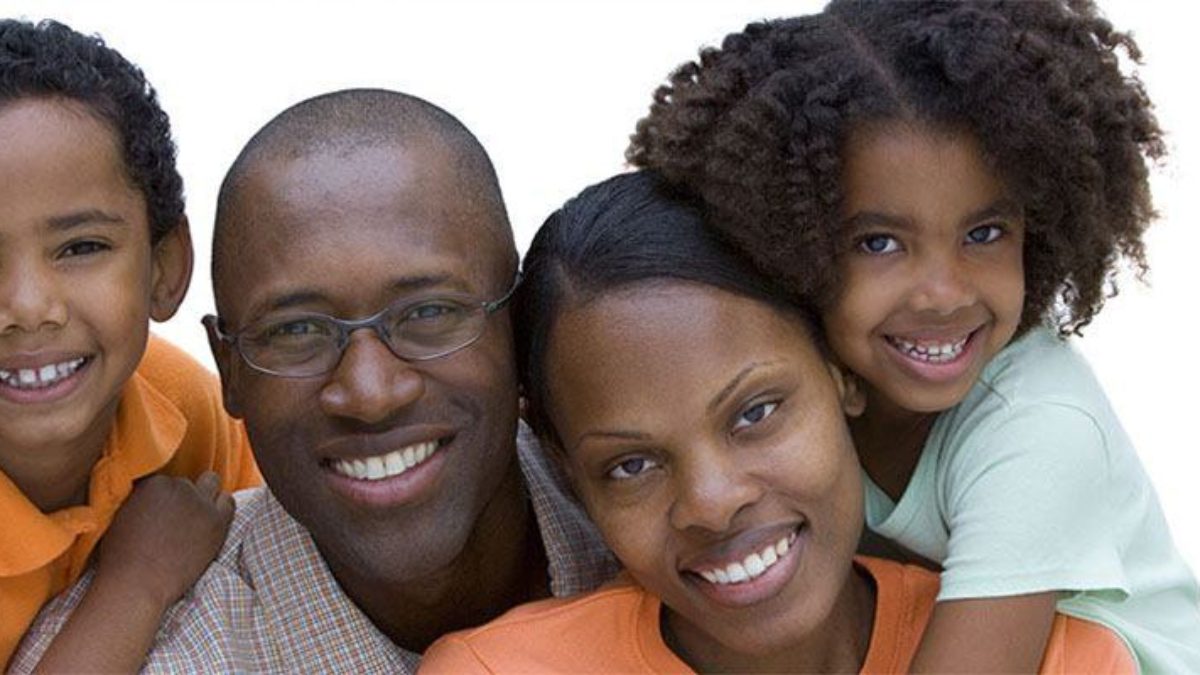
(172,271)
(850,391)
(224,355)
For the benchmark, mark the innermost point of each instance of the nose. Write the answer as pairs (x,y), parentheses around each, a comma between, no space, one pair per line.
(370,383)
(30,299)
(943,284)
(711,489)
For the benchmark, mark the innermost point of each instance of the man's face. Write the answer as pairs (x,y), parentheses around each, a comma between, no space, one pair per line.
(347,233)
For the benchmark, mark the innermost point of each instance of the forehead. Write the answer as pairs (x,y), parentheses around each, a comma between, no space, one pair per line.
(628,352)
(903,166)
(349,226)
(56,158)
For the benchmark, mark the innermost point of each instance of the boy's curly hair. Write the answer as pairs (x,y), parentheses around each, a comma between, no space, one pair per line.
(756,127)
(49,60)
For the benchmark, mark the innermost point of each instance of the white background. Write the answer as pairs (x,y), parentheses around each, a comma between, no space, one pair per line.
(553,89)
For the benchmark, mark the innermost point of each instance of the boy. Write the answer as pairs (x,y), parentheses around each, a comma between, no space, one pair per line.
(94,243)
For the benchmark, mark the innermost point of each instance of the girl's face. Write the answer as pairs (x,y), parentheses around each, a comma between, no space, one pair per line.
(932,278)
(705,435)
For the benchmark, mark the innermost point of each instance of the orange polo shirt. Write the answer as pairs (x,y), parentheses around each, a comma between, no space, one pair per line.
(170,420)
(616,630)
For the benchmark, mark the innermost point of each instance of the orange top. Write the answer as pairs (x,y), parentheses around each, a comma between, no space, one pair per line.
(170,420)
(616,629)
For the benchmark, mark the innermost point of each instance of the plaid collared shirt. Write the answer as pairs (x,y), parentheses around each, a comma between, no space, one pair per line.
(270,603)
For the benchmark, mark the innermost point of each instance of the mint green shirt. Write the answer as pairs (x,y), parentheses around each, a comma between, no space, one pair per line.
(1031,485)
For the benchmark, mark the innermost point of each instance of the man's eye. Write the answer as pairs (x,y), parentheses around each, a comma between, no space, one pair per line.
(985,234)
(631,468)
(755,414)
(433,311)
(296,330)
(878,244)
(78,248)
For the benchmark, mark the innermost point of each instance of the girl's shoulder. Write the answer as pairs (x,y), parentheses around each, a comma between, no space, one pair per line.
(1039,368)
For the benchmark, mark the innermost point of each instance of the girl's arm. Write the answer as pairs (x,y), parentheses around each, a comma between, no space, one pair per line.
(992,635)
(160,542)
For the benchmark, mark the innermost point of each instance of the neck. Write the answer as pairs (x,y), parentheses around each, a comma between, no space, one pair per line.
(502,565)
(889,440)
(55,476)
(838,644)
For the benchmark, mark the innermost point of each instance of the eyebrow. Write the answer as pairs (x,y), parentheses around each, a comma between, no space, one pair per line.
(75,219)
(1003,207)
(729,388)
(716,401)
(306,296)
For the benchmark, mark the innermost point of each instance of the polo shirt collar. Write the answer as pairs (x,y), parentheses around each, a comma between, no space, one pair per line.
(147,430)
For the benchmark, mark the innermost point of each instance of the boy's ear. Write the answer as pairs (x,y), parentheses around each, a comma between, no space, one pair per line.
(850,391)
(172,271)
(223,354)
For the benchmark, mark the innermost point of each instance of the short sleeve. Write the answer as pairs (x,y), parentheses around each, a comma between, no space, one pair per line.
(1028,506)
(452,656)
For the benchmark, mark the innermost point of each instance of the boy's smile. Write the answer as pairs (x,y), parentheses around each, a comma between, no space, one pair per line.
(932,281)
(79,282)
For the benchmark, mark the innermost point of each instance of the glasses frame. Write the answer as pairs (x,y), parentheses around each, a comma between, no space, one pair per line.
(347,326)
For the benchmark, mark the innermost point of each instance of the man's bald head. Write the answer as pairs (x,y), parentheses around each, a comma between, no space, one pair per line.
(346,121)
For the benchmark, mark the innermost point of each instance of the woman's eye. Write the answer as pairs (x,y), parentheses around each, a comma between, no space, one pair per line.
(985,234)
(79,248)
(631,468)
(878,244)
(755,414)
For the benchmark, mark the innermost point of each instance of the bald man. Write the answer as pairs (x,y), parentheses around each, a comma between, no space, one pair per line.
(362,262)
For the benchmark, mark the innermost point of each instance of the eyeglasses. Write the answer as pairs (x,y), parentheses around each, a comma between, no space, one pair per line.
(414,329)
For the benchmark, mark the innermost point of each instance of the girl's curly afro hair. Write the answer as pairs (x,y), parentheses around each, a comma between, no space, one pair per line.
(755,128)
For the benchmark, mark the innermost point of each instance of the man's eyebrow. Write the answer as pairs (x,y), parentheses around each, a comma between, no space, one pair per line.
(728,389)
(75,219)
(308,296)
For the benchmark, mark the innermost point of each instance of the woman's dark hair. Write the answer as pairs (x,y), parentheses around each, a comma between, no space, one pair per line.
(756,129)
(630,229)
(49,60)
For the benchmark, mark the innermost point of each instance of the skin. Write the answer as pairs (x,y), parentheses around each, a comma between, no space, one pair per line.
(448,543)
(752,447)
(79,278)
(933,253)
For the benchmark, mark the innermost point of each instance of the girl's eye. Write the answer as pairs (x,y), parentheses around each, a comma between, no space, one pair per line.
(79,248)
(755,414)
(631,468)
(878,244)
(985,234)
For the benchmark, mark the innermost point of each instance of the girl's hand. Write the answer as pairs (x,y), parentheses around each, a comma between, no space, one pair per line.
(164,537)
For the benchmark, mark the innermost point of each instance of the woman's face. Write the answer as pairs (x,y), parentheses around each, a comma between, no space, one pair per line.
(705,435)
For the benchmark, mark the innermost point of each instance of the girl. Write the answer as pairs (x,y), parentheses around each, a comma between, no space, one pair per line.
(703,428)
(955,183)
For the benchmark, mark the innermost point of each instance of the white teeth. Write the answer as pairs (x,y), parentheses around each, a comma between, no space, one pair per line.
(930,352)
(385,466)
(750,567)
(37,378)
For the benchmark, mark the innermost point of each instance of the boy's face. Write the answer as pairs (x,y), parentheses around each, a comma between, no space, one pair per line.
(346,234)
(705,435)
(932,278)
(79,282)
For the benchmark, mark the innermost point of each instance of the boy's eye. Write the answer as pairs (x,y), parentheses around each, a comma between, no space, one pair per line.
(755,414)
(631,468)
(78,248)
(878,244)
(985,234)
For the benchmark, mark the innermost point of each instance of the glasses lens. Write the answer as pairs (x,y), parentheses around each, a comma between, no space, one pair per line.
(303,345)
(434,326)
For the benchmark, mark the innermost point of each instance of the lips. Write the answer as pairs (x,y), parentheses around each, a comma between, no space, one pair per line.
(388,465)
(41,379)
(752,566)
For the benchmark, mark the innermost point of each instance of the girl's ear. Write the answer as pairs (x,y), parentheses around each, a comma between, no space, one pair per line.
(172,271)
(850,391)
